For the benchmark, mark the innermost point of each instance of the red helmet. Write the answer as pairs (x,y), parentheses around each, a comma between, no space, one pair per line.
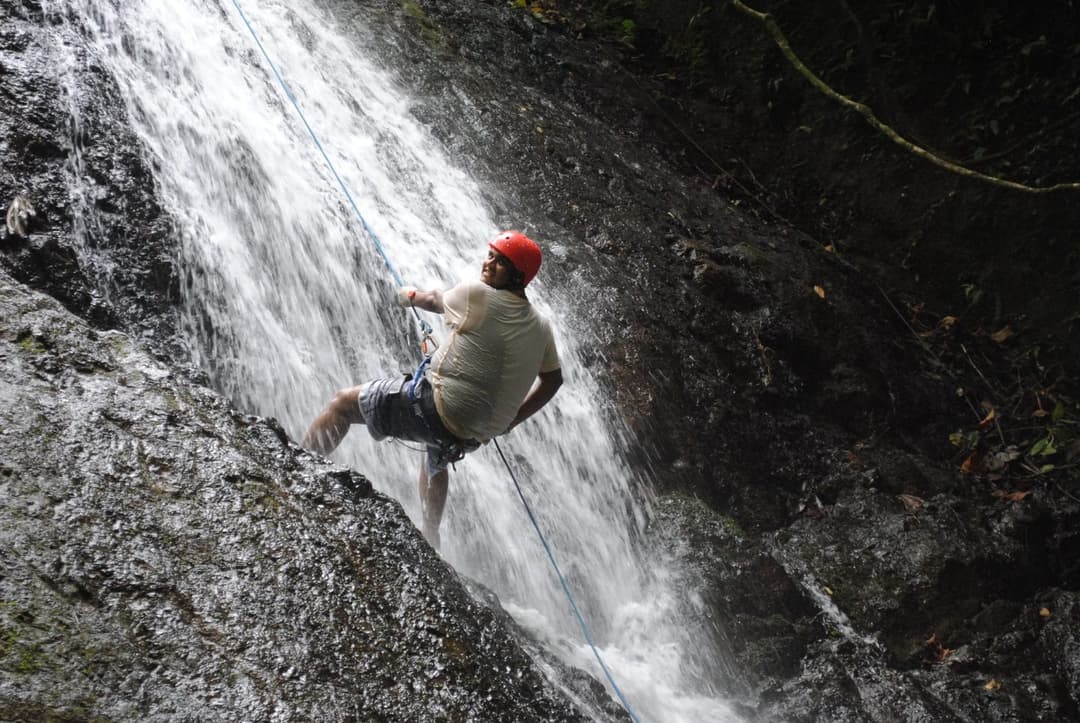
(522,251)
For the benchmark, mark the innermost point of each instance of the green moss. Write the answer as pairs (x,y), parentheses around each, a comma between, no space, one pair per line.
(29,343)
(16,655)
(260,493)
(117,342)
(729,525)
(270,501)
(453,648)
(12,708)
(29,660)
(9,637)
(696,515)
(429,31)
(171,402)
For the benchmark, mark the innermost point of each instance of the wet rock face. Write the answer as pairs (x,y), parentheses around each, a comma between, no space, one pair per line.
(164,555)
(100,242)
(762,617)
(959,599)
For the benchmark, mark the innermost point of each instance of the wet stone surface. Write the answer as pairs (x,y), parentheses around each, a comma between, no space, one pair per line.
(60,140)
(165,556)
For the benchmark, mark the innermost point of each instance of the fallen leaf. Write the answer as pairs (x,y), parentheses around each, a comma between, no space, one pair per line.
(992,685)
(947,322)
(1002,334)
(1045,613)
(819,291)
(1011,496)
(990,417)
(828,590)
(970,464)
(937,652)
(1043,448)
(911,502)
(830,248)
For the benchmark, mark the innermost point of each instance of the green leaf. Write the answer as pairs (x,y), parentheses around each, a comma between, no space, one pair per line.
(1058,413)
(1046,468)
(1039,446)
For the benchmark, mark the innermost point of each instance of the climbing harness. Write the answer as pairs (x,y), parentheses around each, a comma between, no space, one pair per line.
(417,376)
(451,449)
(426,339)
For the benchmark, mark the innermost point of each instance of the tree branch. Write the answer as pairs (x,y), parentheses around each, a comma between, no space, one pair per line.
(864,110)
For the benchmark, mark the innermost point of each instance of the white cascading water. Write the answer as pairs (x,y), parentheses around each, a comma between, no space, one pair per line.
(287,299)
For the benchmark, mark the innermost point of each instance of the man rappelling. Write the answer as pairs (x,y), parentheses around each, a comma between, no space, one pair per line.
(498,368)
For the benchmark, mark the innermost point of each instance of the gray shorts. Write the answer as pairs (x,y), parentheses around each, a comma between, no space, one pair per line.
(389,412)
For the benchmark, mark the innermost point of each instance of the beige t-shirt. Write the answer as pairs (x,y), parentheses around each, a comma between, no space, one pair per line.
(498,345)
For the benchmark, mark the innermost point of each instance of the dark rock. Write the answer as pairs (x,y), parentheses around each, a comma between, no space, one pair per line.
(166,556)
(100,243)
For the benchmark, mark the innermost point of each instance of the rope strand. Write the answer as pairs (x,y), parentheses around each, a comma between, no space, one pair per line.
(285,87)
(565,585)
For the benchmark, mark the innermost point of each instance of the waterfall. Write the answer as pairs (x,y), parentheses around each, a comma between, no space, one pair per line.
(286,299)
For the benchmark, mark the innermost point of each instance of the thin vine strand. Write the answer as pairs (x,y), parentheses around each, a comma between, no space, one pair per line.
(865,111)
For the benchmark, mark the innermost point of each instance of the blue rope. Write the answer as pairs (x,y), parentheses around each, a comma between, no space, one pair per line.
(425,328)
(566,587)
(318,144)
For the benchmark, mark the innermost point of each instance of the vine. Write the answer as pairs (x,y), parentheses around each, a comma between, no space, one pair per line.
(866,112)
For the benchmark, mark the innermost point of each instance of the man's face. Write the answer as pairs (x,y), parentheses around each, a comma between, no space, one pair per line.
(497,271)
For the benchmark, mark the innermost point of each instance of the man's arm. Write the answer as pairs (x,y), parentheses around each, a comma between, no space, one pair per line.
(426,300)
(538,396)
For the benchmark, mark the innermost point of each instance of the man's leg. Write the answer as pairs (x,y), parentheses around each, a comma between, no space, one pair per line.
(330,427)
(433,493)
